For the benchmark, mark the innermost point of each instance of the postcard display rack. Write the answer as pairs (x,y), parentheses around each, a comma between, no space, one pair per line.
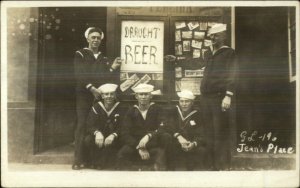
(191,45)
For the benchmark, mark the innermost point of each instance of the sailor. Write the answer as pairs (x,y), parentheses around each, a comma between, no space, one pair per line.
(187,129)
(91,69)
(217,90)
(103,128)
(139,131)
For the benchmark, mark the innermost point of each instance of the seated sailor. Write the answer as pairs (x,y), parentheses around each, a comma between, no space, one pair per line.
(139,134)
(103,125)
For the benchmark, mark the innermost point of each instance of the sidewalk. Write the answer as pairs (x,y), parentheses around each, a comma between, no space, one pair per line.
(61,175)
(40,167)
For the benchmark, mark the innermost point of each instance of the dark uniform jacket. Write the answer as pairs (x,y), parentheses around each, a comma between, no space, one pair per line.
(89,70)
(135,127)
(190,127)
(99,120)
(220,72)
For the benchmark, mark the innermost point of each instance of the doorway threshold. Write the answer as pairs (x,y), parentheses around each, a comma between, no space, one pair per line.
(59,155)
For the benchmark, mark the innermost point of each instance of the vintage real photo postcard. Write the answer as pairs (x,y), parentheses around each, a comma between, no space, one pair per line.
(150,94)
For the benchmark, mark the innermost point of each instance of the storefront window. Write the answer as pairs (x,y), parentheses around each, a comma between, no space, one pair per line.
(191,43)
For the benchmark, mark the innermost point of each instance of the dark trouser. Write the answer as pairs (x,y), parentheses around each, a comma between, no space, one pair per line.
(217,132)
(156,147)
(104,156)
(84,102)
(194,159)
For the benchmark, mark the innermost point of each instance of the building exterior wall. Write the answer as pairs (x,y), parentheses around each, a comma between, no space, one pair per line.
(21,66)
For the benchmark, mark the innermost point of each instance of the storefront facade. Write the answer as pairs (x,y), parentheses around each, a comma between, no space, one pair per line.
(262,122)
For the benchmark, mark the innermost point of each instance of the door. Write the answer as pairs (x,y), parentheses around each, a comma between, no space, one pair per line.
(61,33)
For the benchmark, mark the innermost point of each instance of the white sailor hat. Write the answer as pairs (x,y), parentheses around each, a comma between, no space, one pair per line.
(107,88)
(217,28)
(88,31)
(187,94)
(143,88)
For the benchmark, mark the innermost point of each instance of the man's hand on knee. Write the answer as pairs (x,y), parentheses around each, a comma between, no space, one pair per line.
(143,142)
(99,138)
(144,154)
(190,146)
(109,140)
(183,142)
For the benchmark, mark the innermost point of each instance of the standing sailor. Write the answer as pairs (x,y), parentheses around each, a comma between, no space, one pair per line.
(217,90)
(91,69)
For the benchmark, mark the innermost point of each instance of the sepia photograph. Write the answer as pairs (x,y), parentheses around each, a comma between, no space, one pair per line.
(149,94)
(178,35)
(196,53)
(186,45)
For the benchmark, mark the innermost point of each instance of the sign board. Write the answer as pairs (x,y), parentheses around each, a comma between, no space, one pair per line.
(142,44)
(142,48)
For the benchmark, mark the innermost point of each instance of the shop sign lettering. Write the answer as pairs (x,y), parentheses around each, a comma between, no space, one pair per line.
(142,44)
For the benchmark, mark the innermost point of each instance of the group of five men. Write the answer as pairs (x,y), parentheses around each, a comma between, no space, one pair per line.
(110,131)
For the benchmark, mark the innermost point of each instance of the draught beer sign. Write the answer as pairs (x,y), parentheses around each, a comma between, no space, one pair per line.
(142,44)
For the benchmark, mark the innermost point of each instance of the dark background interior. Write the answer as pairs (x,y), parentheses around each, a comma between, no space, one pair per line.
(265,99)
(57,98)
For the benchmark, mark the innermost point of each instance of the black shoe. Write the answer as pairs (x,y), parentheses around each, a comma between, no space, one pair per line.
(95,166)
(190,168)
(91,166)
(170,168)
(159,167)
(98,167)
(76,167)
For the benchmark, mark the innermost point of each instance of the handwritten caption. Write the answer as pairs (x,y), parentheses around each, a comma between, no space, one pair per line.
(253,142)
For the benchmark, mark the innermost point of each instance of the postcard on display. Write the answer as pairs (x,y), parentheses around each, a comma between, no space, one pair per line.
(177,85)
(123,76)
(144,80)
(186,45)
(196,53)
(210,24)
(178,72)
(187,34)
(203,25)
(177,35)
(199,35)
(192,84)
(180,25)
(128,83)
(193,25)
(193,73)
(207,43)
(178,49)
(203,51)
(196,44)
